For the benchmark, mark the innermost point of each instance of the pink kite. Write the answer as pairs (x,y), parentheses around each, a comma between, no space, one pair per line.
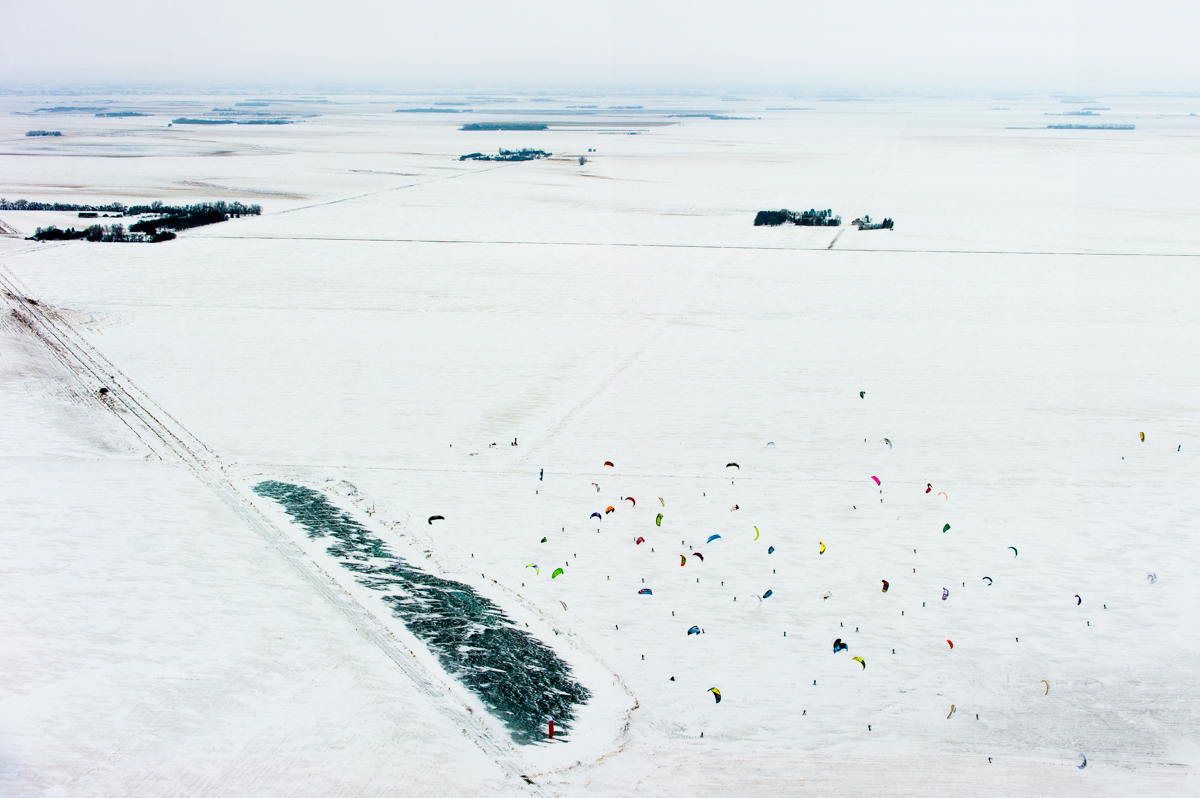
(877,482)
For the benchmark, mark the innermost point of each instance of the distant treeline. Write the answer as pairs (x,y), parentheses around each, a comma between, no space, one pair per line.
(504,126)
(97,232)
(1092,127)
(122,113)
(710,116)
(228,209)
(507,155)
(166,218)
(809,218)
(43,133)
(430,111)
(187,121)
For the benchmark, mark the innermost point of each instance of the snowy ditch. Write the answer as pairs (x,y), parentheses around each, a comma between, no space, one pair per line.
(520,679)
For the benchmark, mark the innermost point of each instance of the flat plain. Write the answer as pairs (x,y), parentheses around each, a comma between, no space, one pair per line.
(396,318)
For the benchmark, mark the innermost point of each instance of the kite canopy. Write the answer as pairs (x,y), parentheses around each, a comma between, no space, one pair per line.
(711,538)
(560,601)
(945,594)
(609,463)
(767,595)
(1151,578)
(877,482)
(1047,687)
(433,518)
(698,556)
(1015,552)
(1143,441)
(640,540)
(716,693)
(631,499)
(733,465)
(770,549)
(951,642)
(862,394)
(609,509)
(943,493)
(951,712)
(596,515)
(828,593)
(756,533)
(928,487)
(556,573)
(888,442)
(861,660)
(822,546)
(682,560)
(658,521)
(769,443)
(645,592)
(1084,758)
(695,630)
(945,529)
(838,645)
(989,580)
(1078,600)
(885,585)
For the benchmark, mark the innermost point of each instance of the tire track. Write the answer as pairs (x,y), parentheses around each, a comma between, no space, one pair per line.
(171,441)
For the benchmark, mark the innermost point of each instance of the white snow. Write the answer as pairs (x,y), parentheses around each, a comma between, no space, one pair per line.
(395,311)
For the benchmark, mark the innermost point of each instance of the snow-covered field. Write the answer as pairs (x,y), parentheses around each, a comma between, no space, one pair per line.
(394,312)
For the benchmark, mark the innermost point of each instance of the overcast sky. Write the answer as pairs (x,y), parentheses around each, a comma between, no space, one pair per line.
(868,46)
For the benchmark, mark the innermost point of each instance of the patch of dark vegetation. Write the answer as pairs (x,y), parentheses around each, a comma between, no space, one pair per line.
(183,120)
(26,205)
(809,218)
(112,233)
(67,109)
(505,126)
(43,133)
(711,116)
(428,111)
(1091,127)
(163,219)
(187,121)
(122,113)
(252,105)
(507,155)
(517,676)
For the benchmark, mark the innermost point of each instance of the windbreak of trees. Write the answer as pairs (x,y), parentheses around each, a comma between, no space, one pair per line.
(163,220)
(507,155)
(504,126)
(96,232)
(43,133)
(228,209)
(26,205)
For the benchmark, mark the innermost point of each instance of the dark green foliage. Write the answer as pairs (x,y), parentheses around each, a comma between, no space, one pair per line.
(183,120)
(517,676)
(43,133)
(123,113)
(770,218)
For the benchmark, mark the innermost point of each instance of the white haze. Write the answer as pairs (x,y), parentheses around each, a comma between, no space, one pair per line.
(802,47)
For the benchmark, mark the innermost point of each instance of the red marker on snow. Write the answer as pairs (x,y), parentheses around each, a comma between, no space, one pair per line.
(551,730)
